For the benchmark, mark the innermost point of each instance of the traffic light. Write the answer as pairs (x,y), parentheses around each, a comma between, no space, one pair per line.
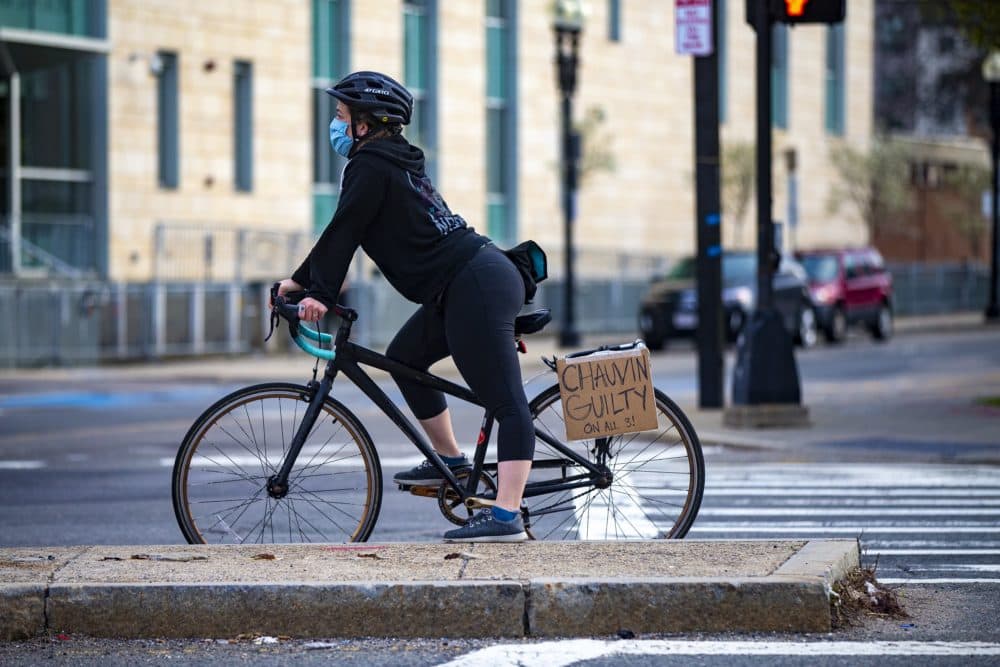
(808,11)
(799,11)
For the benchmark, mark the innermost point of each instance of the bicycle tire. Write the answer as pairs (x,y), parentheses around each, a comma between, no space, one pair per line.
(642,502)
(220,475)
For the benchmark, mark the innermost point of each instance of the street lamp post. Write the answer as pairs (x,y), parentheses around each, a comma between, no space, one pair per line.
(991,72)
(568,24)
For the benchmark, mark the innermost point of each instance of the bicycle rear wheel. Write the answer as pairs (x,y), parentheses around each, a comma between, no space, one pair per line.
(222,468)
(658,477)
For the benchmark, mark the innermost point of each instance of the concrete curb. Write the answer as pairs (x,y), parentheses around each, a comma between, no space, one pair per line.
(791,596)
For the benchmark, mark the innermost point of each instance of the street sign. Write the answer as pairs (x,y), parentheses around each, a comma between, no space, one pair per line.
(694,27)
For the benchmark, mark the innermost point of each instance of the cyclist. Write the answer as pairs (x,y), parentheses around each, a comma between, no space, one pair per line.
(469,291)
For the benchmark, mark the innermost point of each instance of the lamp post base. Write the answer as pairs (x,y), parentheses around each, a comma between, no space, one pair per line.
(992,314)
(765,371)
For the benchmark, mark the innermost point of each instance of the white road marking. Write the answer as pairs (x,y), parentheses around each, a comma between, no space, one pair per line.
(933,552)
(562,653)
(895,581)
(817,527)
(21,465)
(850,511)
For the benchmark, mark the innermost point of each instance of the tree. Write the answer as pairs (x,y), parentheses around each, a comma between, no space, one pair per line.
(738,182)
(969,182)
(596,154)
(876,184)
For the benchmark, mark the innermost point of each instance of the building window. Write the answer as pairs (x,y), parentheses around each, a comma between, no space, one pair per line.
(500,121)
(330,53)
(243,125)
(835,88)
(779,76)
(721,51)
(167,120)
(419,74)
(615,20)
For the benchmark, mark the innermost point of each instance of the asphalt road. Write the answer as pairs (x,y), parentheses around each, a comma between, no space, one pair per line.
(88,461)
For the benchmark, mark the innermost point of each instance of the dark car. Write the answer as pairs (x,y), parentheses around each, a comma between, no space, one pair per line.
(669,309)
(849,286)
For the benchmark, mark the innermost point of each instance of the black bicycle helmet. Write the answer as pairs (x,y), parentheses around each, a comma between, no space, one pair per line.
(380,95)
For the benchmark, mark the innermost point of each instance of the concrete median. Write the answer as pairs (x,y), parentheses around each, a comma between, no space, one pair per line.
(422,590)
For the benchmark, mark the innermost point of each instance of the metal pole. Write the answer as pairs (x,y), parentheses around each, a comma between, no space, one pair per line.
(708,225)
(992,308)
(566,58)
(765,227)
(14,172)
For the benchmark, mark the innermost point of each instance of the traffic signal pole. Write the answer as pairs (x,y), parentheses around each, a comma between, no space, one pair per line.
(766,389)
(708,225)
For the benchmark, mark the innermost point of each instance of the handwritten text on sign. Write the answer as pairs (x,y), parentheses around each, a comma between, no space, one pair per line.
(607,393)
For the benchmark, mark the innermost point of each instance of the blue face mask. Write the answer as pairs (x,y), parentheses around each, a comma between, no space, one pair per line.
(339,139)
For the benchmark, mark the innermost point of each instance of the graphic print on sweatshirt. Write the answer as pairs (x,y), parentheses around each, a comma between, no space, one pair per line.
(438,211)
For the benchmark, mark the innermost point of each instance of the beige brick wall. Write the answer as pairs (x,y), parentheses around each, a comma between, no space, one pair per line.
(646,205)
(274,36)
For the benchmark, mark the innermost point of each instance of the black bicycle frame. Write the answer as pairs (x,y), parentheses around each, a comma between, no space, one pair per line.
(349,359)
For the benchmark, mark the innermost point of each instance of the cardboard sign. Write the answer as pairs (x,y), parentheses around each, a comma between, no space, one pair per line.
(607,393)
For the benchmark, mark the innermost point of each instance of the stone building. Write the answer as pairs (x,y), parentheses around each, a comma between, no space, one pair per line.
(179,139)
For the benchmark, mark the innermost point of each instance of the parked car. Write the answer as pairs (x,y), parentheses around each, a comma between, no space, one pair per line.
(849,286)
(669,309)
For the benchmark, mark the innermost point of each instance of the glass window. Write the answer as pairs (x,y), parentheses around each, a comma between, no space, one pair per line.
(330,52)
(419,18)
(821,268)
(167,121)
(614,20)
(50,137)
(330,29)
(243,125)
(779,75)
(70,17)
(500,139)
(835,82)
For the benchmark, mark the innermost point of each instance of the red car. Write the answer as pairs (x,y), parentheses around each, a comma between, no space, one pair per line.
(849,286)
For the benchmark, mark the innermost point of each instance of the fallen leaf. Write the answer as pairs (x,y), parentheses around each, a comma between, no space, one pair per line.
(372,556)
(179,558)
(264,557)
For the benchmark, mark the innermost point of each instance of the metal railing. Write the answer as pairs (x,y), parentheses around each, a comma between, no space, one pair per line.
(72,322)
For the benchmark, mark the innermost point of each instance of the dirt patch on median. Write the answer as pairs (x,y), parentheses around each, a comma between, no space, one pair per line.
(859,594)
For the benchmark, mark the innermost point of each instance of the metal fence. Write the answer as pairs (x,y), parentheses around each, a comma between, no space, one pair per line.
(64,322)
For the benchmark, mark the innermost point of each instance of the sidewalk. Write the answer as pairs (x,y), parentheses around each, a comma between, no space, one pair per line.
(450,590)
(536,589)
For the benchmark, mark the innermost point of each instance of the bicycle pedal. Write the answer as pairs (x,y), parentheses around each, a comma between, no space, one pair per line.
(479,503)
(424,491)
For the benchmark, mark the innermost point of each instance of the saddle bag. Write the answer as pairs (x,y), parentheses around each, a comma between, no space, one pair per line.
(531,263)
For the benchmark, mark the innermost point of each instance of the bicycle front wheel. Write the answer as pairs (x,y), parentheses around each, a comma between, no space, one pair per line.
(220,475)
(657,478)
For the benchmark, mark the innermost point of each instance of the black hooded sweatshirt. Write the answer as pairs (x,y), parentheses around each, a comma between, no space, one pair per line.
(389,207)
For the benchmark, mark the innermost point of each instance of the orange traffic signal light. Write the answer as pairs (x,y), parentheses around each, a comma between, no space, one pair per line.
(795,7)
(799,11)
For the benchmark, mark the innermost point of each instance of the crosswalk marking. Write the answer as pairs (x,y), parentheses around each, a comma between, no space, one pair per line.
(919,522)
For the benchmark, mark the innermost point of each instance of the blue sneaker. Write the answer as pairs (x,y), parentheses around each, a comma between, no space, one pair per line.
(484,527)
(426,474)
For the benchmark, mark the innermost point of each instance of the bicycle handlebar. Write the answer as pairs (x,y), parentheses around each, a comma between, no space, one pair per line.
(286,306)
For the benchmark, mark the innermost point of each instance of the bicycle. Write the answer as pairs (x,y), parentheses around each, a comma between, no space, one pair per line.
(282,462)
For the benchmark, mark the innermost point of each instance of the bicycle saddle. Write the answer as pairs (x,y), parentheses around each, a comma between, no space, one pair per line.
(532,322)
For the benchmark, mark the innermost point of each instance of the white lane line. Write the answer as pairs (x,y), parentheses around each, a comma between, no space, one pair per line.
(907,582)
(900,481)
(851,530)
(932,552)
(849,511)
(990,568)
(561,653)
(836,493)
(21,465)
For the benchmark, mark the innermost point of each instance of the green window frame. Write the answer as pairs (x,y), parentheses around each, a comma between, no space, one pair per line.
(501,143)
(243,125)
(834,116)
(331,62)
(167,120)
(419,75)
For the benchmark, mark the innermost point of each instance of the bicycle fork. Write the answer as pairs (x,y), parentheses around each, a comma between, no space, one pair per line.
(277,485)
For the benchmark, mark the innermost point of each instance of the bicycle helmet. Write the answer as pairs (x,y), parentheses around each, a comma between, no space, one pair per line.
(380,95)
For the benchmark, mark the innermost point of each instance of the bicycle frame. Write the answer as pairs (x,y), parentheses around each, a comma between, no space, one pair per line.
(348,358)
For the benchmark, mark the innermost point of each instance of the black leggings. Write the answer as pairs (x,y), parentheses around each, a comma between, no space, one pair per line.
(476,328)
